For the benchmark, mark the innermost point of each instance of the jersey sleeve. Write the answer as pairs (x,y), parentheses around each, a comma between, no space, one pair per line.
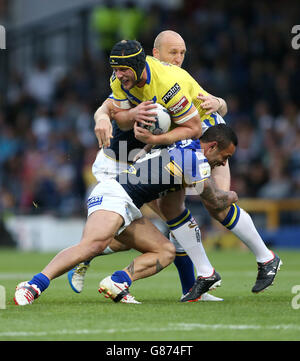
(182,95)
(199,171)
(177,100)
(190,164)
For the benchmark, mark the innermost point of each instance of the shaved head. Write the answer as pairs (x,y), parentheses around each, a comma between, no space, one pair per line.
(169,46)
(166,36)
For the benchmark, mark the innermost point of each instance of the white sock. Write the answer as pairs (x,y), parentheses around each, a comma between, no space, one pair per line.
(240,224)
(186,231)
(178,247)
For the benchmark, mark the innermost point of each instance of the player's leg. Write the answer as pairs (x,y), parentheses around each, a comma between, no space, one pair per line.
(157,253)
(117,246)
(184,266)
(99,230)
(239,222)
(182,261)
(104,168)
(185,230)
(76,276)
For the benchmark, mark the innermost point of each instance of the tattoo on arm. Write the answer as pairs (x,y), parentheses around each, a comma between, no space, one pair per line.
(130,268)
(159,267)
(215,197)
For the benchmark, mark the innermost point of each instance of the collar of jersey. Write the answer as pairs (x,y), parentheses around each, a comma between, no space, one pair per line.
(148,73)
(130,95)
(195,144)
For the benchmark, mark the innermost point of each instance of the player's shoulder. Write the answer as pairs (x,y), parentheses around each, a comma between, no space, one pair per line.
(152,61)
(197,159)
(173,85)
(186,147)
(188,144)
(165,69)
(189,156)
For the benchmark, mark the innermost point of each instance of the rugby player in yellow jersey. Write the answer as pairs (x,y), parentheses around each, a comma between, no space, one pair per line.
(183,263)
(171,45)
(103,130)
(137,79)
(181,101)
(180,105)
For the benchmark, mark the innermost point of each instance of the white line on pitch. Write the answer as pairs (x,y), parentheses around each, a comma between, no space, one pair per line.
(168,328)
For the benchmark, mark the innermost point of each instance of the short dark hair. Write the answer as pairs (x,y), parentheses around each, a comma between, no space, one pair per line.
(220,133)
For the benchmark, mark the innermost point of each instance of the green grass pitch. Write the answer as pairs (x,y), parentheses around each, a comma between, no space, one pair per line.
(60,314)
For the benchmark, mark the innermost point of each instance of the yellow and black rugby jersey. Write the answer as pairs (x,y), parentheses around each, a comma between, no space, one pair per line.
(167,84)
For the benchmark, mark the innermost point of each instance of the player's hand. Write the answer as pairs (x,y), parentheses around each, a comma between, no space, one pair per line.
(139,155)
(147,148)
(142,134)
(209,103)
(144,113)
(103,131)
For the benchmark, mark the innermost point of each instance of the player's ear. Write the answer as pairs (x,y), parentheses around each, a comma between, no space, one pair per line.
(213,145)
(155,53)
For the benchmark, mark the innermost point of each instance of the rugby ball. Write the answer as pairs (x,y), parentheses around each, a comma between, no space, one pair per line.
(163,120)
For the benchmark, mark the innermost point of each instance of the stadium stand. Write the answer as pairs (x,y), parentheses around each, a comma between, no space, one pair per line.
(240,51)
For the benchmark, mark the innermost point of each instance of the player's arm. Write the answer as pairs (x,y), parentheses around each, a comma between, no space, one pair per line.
(103,127)
(189,127)
(124,113)
(147,148)
(122,110)
(126,116)
(213,104)
(217,198)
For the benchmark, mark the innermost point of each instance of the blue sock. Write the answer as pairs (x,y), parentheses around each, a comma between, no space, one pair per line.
(186,272)
(120,277)
(41,281)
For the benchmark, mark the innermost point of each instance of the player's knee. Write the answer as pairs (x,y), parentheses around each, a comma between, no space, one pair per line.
(117,246)
(92,247)
(169,252)
(216,213)
(171,210)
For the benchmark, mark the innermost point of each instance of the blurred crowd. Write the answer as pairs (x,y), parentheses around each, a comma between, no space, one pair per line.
(240,51)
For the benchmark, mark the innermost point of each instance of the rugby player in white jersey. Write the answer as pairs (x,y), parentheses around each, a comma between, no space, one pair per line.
(114,211)
(171,47)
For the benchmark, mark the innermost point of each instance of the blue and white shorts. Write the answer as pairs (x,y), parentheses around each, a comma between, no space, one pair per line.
(111,196)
